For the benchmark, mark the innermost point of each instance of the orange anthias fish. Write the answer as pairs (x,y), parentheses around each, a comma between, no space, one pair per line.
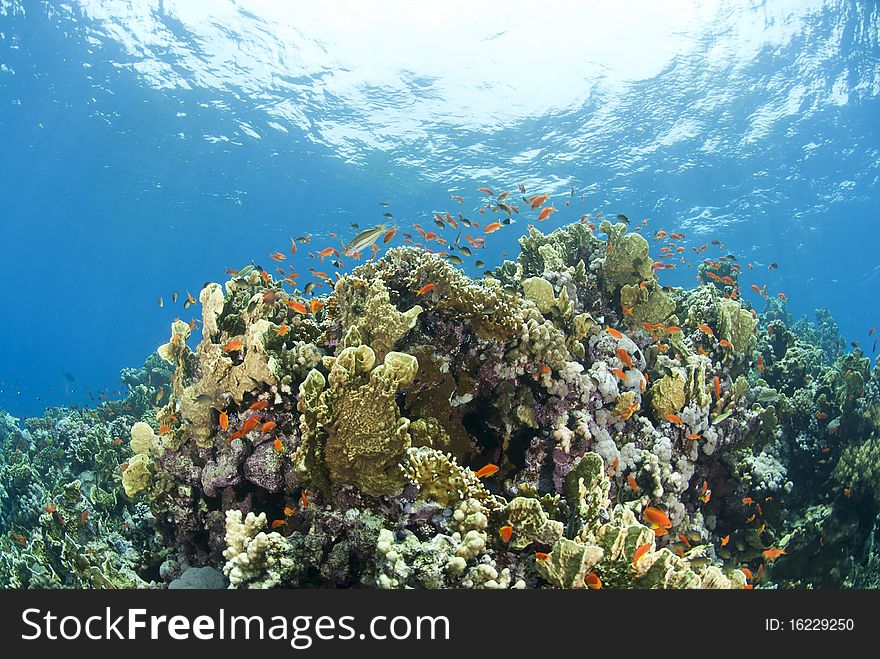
(624,357)
(725,540)
(546,213)
(657,517)
(486,191)
(771,554)
(489,470)
(674,418)
(613,332)
(716,383)
(724,343)
(705,328)
(267,427)
(541,555)
(760,364)
(537,200)
(278,522)
(246,427)
(277,256)
(328,251)
(593,581)
(632,483)
(282,330)
(235,344)
(620,374)
(491,228)
(278,445)
(299,307)
(292,247)
(506,532)
(259,405)
(427,288)
(316,305)
(641,551)
(389,235)
(694,437)
(224,421)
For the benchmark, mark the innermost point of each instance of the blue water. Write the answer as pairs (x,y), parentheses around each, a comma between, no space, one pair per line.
(146,146)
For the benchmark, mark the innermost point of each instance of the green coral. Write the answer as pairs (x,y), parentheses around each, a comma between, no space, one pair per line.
(441,479)
(531,524)
(859,468)
(351,426)
(366,306)
(737,325)
(649,303)
(569,245)
(539,291)
(627,260)
(667,395)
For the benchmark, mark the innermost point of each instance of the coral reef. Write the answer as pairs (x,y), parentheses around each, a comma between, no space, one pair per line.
(564,421)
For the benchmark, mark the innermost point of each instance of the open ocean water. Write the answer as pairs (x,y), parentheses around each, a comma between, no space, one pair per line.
(151,146)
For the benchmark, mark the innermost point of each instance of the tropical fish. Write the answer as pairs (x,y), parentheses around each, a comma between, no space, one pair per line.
(277,256)
(486,191)
(259,405)
(233,345)
(282,330)
(491,228)
(620,374)
(546,213)
(624,357)
(224,421)
(641,551)
(489,470)
(541,555)
(593,581)
(613,332)
(772,554)
(716,384)
(268,427)
(632,483)
(725,540)
(316,305)
(427,288)
(706,329)
(298,307)
(674,418)
(537,200)
(278,522)
(657,517)
(506,532)
(278,445)
(389,235)
(364,239)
